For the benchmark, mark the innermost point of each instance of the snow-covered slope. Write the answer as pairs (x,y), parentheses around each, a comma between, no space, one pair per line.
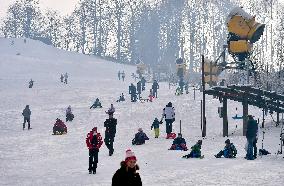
(36,157)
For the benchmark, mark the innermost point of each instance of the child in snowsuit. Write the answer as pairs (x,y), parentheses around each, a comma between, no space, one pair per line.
(140,138)
(155,125)
(97,104)
(229,151)
(69,114)
(179,143)
(195,151)
(94,142)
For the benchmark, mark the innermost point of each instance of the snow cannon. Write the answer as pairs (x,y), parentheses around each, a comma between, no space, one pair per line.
(243,32)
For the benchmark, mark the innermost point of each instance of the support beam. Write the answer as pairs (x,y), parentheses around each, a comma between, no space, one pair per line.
(225,118)
(245,116)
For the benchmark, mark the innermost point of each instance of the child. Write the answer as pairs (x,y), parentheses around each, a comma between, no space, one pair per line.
(195,151)
(140,138)
(155,125)
(179,143)
(229,151)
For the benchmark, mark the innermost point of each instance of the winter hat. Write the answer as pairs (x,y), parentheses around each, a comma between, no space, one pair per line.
(199,142)
(130,155)
(140,130)
(227,141)
(95,130)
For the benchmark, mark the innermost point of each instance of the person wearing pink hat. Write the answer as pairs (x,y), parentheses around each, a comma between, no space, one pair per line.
(126,175)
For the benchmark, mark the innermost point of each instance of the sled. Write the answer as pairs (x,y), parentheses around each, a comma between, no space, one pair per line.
(171,136)
(237,117)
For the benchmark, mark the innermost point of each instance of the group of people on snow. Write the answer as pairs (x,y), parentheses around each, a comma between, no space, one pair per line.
(121,75)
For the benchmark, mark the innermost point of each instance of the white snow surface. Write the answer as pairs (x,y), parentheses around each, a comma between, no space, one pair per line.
(37,157)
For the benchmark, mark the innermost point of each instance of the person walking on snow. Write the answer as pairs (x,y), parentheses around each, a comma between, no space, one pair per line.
(65,78)
(111,110)
(122,75)
(61,78)
(110,125)
(27,117)
(94,142)
(169,114)
(127,174)
(156,125)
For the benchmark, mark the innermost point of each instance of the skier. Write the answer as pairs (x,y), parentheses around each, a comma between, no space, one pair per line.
(132,92)
(140,138)
(27,117)
(94,142)
(97,104)
(59,127)
(143,81)
(122,75)
(156,125)
(251,136)
(229,151)
(155,88)
(127,175)
(195,151)
(69,114)
(110,125)
(111,110)
(31,83)
(118,75)
(139,89)
(169,114)
(179,143)
(61,78)
(65,77)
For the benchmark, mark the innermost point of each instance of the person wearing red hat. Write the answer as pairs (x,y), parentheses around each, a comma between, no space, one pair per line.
(127,175)
(94,142)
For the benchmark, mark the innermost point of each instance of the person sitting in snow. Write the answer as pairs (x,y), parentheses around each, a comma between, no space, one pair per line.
(195,151)
(97,104)
(179,143)
(121,98)
(156,126)
(139,138)
(69,114)
(229,151)
(111,110)
(59,127)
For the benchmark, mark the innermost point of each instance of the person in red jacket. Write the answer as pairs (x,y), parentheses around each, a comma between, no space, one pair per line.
(94,142)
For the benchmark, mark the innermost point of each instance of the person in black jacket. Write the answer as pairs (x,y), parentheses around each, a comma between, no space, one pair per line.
(27,117)
(251,136)
(132,92)
(110,125)
(179,143)
(140,137)
(155,88)
(127,175)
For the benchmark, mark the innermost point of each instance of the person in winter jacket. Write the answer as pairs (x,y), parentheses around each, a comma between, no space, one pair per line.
(65,77)
(139,89)
(156,126)
(31,83)
(229,151)
(155,88)
(27,117)
(179,143)
(61,78)
(181,85)
(94,142)
(97,104)
(118,74)
(111,110)
(126,175)
(140,138)
(151,95)
(59,127)
(251,136)
(69,114)
(110,125)
(169,114)
(195,151)
(121,98)
(132,92)
(143,82)
(122,75)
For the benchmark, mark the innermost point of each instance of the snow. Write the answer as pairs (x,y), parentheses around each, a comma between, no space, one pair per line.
(36,157)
